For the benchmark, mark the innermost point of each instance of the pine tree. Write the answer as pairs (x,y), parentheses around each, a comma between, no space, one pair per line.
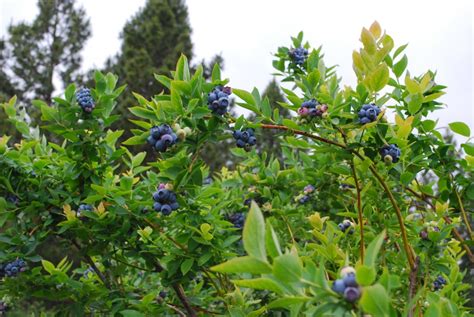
(268,140)
(153,40)
(48,48)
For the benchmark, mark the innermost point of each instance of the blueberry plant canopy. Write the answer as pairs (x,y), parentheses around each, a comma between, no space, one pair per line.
(343,226)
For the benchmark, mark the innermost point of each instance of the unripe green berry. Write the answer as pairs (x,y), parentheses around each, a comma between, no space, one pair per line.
(347,270)
(176,127)
(181,134)
(187,130)
(388,159)
(80,121)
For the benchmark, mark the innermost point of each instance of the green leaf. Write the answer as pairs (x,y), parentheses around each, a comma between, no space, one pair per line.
(468,148)
(379,78)
(186,266)
(375,300)
(286,302)
(415,103)
(400,66)
(399,50)
(245,96)
(412,86)
(131,313)
(48,266)
(216,73)
(143,113)
(254,233)
(290,124)
(373,249)
(135,140)
(287,268)
(244,264)
(138,159)
(271,241)
(365,275)
(69,93)
(262,283)
(460,128)
(368,40)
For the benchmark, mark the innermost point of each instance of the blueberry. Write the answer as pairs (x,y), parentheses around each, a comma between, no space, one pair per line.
(350,280)
(160,146)
(342,227)
(157,206)
(155,132)
(252,140)
(364,120)
(351,294)
(237,134)
(166,209)
(240,143)
(211,97)
(245,136)
(163,194)
(338,286)
(174,206)
(167,139)
(163,294)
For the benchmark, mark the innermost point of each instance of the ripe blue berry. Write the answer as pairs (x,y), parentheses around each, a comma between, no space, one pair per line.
(350,280)
(162,137)
(339,286)
(390,153)
(84,100)
(298,55)
(304,199)
(368,113)
(13,268)
(165,200)
(351,294)
(218,100)
(245,138)
(311,108)
(238,220)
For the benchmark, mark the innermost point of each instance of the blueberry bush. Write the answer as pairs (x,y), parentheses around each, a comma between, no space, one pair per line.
(344,226)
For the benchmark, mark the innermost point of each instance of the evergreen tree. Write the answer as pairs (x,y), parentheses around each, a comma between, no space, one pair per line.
(153,40)
(268,141)
(47,49)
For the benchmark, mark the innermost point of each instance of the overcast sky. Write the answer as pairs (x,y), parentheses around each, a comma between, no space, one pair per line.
(247,32)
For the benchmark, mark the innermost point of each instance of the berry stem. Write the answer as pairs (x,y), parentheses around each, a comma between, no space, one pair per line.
(464,214)
(184,300)
(359,211)
(406,245)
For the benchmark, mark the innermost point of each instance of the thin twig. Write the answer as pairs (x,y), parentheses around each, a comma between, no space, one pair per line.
(359,211)
(412,286)
(93,266)
(184,300)
(464,214)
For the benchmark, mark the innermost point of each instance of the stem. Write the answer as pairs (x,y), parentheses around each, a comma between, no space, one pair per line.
(359,211)
(412,287)
(406,245)
(424,197)
(408,250)
(184,300)
(464,214)
(93,266)
(307,134)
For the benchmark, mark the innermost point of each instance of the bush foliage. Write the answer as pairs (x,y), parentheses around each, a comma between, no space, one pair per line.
(78,208)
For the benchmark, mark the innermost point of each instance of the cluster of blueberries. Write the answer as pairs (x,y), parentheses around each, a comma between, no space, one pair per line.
(238,220)
(165,200)
(218,100)
(311,108)
(308,189)
(439,283)
(298,55)
(3,308)
(84,207)
(346,224)
(13,268)
(85,100)
(347,285)
(245,138)
(162,137)
(368,113)
(390,153)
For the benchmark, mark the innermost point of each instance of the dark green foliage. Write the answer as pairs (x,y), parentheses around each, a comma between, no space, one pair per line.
(50,46)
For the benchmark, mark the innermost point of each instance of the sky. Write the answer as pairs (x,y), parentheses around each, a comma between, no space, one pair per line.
(247,32)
